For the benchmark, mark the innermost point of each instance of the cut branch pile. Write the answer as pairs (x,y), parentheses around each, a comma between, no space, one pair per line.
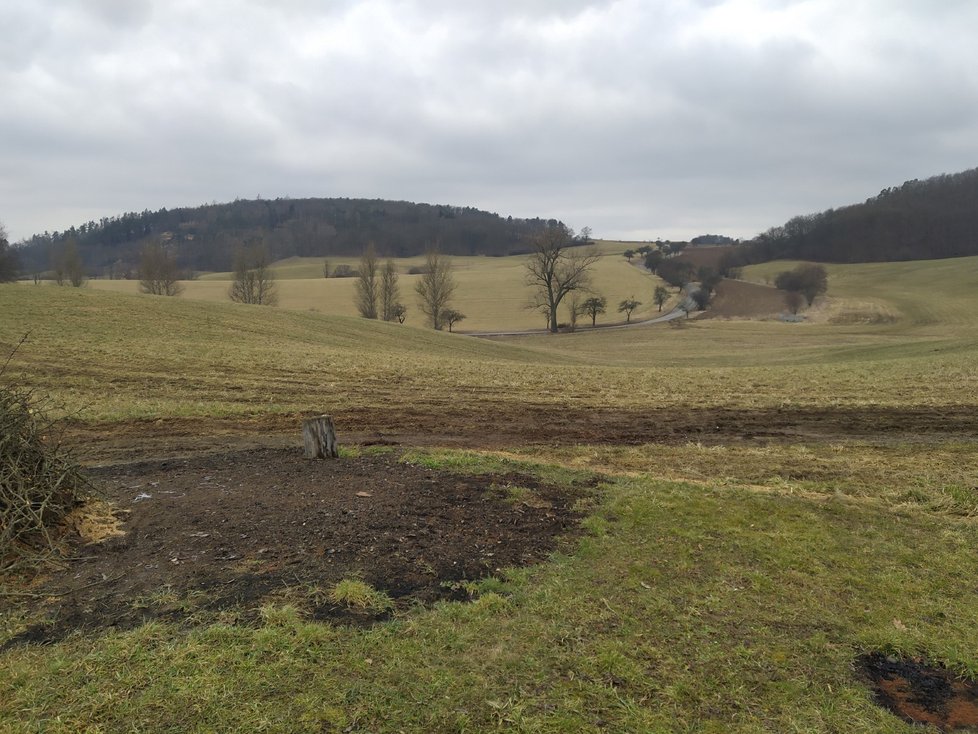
(39,483)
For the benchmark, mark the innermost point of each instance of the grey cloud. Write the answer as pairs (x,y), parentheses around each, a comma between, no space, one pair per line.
(633,117)
(122,14)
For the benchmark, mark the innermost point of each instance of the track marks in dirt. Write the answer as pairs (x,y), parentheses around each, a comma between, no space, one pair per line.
(503,425)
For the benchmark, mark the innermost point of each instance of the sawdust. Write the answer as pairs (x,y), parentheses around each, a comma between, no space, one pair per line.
(96,521)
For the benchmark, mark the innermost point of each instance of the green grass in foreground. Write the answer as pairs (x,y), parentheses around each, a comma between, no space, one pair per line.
(935,477)
(685,609)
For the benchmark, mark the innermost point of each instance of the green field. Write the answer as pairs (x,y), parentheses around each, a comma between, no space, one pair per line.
(772,500)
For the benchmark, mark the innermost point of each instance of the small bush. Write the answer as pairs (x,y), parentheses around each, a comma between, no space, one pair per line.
(701,298)
(345,271)
(39,483)
(417,270)
(808,279)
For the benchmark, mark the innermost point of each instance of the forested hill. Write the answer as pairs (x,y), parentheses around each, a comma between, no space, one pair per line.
(206,237)
(920,220)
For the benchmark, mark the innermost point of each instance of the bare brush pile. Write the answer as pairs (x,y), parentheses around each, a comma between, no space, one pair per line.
(39,483)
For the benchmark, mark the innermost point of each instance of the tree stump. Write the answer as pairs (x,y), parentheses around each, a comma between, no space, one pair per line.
(319,437)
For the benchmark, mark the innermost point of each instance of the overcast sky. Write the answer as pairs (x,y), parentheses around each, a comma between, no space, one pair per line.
(641,119)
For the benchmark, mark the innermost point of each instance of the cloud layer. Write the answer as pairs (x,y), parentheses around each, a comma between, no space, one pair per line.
(640,119)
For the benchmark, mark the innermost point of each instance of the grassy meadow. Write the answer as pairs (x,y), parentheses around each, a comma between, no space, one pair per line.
(724,586)
(490,291)
(109,356)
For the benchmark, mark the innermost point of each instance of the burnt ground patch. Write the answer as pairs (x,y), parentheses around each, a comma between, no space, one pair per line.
(216,536)
(922,694)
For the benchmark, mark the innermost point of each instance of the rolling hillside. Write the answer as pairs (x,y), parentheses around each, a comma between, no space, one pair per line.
(937,296)
(759,507)
(113,356)
(491,291)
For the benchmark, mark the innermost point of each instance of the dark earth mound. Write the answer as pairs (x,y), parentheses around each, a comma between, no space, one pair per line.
(922,694)
(216,536)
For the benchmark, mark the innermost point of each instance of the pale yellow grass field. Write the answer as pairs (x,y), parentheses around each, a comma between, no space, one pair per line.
(938,294)
(930,308)
(112,356)
(491,291)
(117,355)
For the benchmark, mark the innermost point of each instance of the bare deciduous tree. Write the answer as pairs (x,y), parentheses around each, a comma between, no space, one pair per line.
(451,317)
(701,298)
(809,279)
(390,291)
(67,265)
(556,268)
(574,309)
(627,306)
(594,306)
(366,290)
(158,272)
(8,258)
(253,281)
(436,287)
(793,301)
(660,296)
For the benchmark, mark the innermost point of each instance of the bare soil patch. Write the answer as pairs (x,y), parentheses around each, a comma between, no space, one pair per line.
(922,694)
(216,536)
(740,299)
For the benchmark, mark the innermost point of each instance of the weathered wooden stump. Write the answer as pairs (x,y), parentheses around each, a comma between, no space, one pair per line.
(319,437)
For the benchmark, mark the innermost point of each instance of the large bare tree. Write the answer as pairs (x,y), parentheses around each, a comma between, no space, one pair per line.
(158,272)
(555,268)
(366,290)
(435,288)
(253,279)
(390,291)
